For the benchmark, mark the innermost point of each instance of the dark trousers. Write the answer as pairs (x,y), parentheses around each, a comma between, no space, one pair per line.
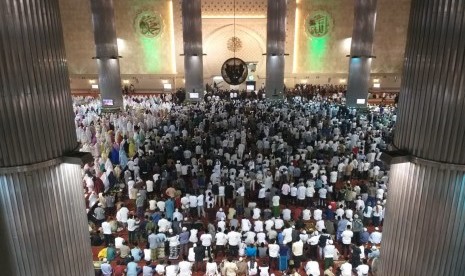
(209,250)
(345,249)
(132,236)
(219,249)
(108,239)
(297,261)
(233,250)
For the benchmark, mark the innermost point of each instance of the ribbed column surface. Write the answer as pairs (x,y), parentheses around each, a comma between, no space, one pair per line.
(193,50)
(275,48)
(424,229)
(43,223)
(432,100)
(106,46)
(361,52)
(36,118)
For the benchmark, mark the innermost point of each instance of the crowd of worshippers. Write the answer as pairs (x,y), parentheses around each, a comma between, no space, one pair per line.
(235,187)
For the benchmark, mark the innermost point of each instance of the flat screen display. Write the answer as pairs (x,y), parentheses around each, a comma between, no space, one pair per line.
(107,102)
(194,95)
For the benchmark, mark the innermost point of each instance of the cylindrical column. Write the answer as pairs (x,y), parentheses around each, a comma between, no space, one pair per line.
(425,222)
(43,228)
(361,53)
(106,46)
(44,221)
(193,51)
(275,48)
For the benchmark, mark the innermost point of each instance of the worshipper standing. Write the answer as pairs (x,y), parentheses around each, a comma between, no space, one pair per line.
(185,267)
(363,269)
(211,268)
(346,237)
(199,252)
(242,267)
(106,268)
(229,267)
(252,267)
(173,240)
(184,241)
(312,267)
(132,269)
(171,269)
(133,226)
(107,233)
(169,208)
(148,269)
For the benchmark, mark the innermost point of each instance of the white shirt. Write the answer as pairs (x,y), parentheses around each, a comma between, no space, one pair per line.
(349,213)
(287,235)
(333,177)
(192,201)
(306,214)
(106,228)
(163,225)
(320,225)
(375,237)
(152,204)
(149,184)
(160,269)
(297,248)
(301,192)
(329,251)
(258,226)
(256,213)
(193,236)
(200,200)
(206,239)
(269,224)
(285,189)
(122,215)
(286,214)
(322,192)
(245,225)
(275,200)
(317,213)
(261,237)
(118,242)
(312,268)
(172,270)
(147,256)
(347,236)
(362,270)
(273,250)
(221,238)
(234,238)
(346,269)
(185,268)
(278,224)
(293,191)
(161,205)
(250,237)
(132,226)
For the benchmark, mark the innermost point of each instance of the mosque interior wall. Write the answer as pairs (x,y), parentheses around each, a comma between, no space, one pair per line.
(150,41)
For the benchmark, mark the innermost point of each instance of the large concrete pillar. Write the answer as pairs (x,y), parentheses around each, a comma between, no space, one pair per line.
(193,51)
(361,53)
(43,226)
(424,230)
(106,47)
(275,48)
